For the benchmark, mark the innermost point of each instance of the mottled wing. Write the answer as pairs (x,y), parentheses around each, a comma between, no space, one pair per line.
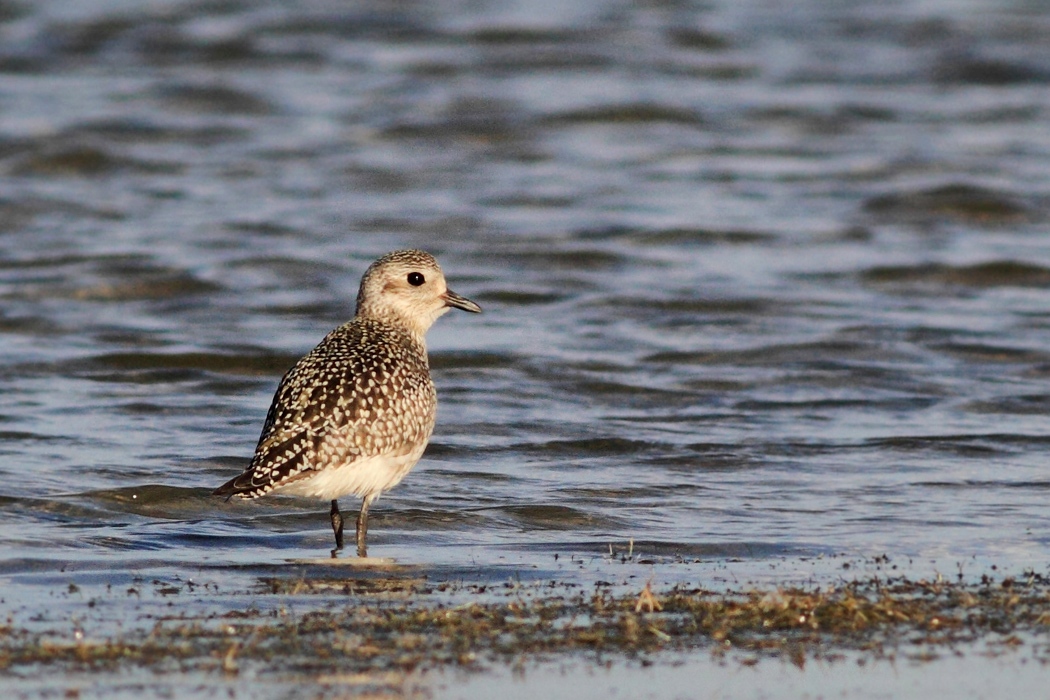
(335,406)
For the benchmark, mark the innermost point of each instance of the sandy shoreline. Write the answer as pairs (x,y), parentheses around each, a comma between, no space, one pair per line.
(393,632)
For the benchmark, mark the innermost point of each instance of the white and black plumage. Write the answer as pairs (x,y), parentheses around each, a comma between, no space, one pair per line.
(355,414)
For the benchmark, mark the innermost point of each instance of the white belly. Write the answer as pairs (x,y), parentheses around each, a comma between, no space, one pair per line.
(369,476)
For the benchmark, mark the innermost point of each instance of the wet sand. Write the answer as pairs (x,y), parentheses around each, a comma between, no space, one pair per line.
(386,630)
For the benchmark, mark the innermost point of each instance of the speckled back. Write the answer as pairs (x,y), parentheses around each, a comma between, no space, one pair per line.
(364,391)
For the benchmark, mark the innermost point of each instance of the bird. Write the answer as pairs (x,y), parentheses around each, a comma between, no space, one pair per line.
(354,415)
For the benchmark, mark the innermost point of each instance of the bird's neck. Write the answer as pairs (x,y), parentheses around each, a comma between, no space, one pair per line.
(413,331)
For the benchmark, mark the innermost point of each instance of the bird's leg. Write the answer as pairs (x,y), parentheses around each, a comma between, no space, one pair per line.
(362,527)
(337,527)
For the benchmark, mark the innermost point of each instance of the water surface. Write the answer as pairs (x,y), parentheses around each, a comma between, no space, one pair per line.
(764,287)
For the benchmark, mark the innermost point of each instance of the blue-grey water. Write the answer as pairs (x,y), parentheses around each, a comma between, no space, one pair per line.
(766,285)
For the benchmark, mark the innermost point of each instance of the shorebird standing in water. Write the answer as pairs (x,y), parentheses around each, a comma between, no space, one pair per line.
(355,414)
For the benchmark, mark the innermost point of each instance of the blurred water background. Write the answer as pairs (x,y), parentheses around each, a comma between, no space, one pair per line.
(766,285)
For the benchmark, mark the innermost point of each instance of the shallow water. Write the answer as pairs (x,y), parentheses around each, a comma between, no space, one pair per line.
(689,679)
(763,287)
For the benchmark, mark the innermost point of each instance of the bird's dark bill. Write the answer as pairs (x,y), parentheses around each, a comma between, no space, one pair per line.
(457,302)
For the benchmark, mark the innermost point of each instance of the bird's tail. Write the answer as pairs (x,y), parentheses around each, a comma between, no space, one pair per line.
(238,486)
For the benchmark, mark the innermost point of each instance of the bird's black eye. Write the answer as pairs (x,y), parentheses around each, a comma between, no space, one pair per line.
(415,278)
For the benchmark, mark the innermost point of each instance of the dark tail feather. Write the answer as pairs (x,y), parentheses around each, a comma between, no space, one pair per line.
(293,454)
(233,487)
